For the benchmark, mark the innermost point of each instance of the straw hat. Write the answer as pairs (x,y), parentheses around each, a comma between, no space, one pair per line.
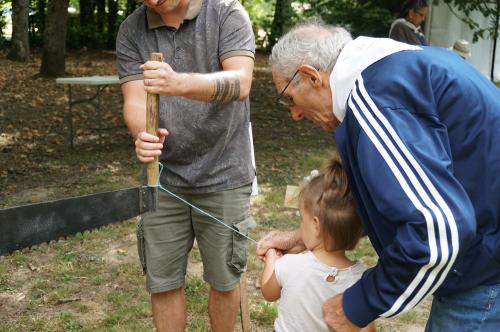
(462,48)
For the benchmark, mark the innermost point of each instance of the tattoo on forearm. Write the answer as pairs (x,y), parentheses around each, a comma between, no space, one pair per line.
(226,89)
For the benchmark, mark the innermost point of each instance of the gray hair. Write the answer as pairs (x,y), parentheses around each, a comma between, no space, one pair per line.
(314,43)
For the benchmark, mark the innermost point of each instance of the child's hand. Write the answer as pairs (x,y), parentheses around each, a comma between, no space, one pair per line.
(272,255)
(284,241)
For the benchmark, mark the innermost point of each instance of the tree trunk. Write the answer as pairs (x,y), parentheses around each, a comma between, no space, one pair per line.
(54,39)
(282,20)
(112,15)
(86,22)
(495,38)
(101,19)
(20,48)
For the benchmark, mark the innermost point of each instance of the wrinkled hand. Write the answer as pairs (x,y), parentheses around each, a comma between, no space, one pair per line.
(283,241)
(148,146)
(161,79)
(334,316)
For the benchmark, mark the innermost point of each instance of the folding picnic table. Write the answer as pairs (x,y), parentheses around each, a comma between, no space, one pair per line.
(100,82)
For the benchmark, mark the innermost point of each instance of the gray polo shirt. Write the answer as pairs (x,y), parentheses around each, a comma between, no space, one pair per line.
(209,146)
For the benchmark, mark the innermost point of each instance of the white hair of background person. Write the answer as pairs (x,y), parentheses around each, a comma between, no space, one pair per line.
(301,46)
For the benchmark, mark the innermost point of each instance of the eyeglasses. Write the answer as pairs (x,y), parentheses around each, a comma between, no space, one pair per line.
(286,100)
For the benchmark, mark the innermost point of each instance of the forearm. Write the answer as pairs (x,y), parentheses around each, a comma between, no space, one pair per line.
(298,241)
(232,83)
(270,288)
(284,241)
(134,106)
(134,115)
(267,273)
(220,87)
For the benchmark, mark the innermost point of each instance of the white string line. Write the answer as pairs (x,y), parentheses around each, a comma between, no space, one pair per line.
(198,209)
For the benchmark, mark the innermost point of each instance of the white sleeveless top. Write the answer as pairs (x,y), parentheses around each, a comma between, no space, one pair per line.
(304,289)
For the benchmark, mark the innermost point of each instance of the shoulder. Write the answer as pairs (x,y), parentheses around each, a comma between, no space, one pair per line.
(358,268)
(413,66)
(229,3)
(292,261)
(290,266)
(226,7)
(353,273)
(137,16)
(294,258)
(399,25)
(223,5)
(133,23)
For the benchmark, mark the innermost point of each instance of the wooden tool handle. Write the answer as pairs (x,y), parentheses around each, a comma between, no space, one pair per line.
(152,104)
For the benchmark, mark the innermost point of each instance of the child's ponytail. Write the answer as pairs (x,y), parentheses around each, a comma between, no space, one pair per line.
(327,196)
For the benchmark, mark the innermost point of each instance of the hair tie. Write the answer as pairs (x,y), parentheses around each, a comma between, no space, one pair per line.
(314,173)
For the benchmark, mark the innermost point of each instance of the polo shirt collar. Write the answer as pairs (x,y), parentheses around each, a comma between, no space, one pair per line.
(356,56)
(154,20)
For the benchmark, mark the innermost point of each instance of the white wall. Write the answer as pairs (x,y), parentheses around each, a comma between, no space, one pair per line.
(445,28)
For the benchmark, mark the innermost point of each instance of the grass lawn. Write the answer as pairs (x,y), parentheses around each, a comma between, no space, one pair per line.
(92,281)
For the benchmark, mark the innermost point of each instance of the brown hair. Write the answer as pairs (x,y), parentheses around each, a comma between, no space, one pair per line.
(328,198)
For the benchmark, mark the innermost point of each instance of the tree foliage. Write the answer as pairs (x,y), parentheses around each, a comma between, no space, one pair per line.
(489,9)
(361,17)
(91,23)
(261,13)
(271,19)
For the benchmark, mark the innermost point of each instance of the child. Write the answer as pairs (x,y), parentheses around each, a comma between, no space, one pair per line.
(329,226)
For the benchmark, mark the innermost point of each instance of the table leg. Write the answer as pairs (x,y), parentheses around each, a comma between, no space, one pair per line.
(98,109)
(70,117)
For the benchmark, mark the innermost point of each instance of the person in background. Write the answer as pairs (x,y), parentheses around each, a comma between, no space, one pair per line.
(462,48)
(303,282)
(418,133)
(203,143)
(407,28)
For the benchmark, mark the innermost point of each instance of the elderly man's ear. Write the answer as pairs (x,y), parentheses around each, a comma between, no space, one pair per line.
(311,74)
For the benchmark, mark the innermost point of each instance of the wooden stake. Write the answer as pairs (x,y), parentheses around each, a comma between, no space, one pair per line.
(152,104)
(245,312)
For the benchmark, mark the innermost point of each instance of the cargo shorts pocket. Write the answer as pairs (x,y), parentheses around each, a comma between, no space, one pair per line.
(141,246)
(238,258)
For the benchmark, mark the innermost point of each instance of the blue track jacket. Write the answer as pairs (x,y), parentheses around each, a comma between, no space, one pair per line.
(420,142)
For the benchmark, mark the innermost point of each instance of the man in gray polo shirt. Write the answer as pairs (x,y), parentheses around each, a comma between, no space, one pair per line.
(203,143)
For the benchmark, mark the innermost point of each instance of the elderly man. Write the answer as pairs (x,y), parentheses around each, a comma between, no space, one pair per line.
(418,130)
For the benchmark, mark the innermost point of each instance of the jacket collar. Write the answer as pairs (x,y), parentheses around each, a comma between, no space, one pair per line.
(356,56)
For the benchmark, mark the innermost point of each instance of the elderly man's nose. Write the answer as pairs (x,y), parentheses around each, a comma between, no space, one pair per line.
(296,113)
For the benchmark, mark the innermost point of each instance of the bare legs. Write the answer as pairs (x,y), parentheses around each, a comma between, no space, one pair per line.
(169,310)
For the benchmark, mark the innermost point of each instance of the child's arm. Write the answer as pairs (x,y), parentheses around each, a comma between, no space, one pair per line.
(271,289)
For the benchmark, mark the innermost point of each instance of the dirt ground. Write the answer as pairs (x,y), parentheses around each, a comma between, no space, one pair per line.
(92,281)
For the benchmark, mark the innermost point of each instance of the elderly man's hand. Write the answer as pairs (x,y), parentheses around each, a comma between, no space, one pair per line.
(283,241)
(334,315)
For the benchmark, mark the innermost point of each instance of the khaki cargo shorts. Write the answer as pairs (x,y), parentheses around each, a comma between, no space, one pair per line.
(165,238)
